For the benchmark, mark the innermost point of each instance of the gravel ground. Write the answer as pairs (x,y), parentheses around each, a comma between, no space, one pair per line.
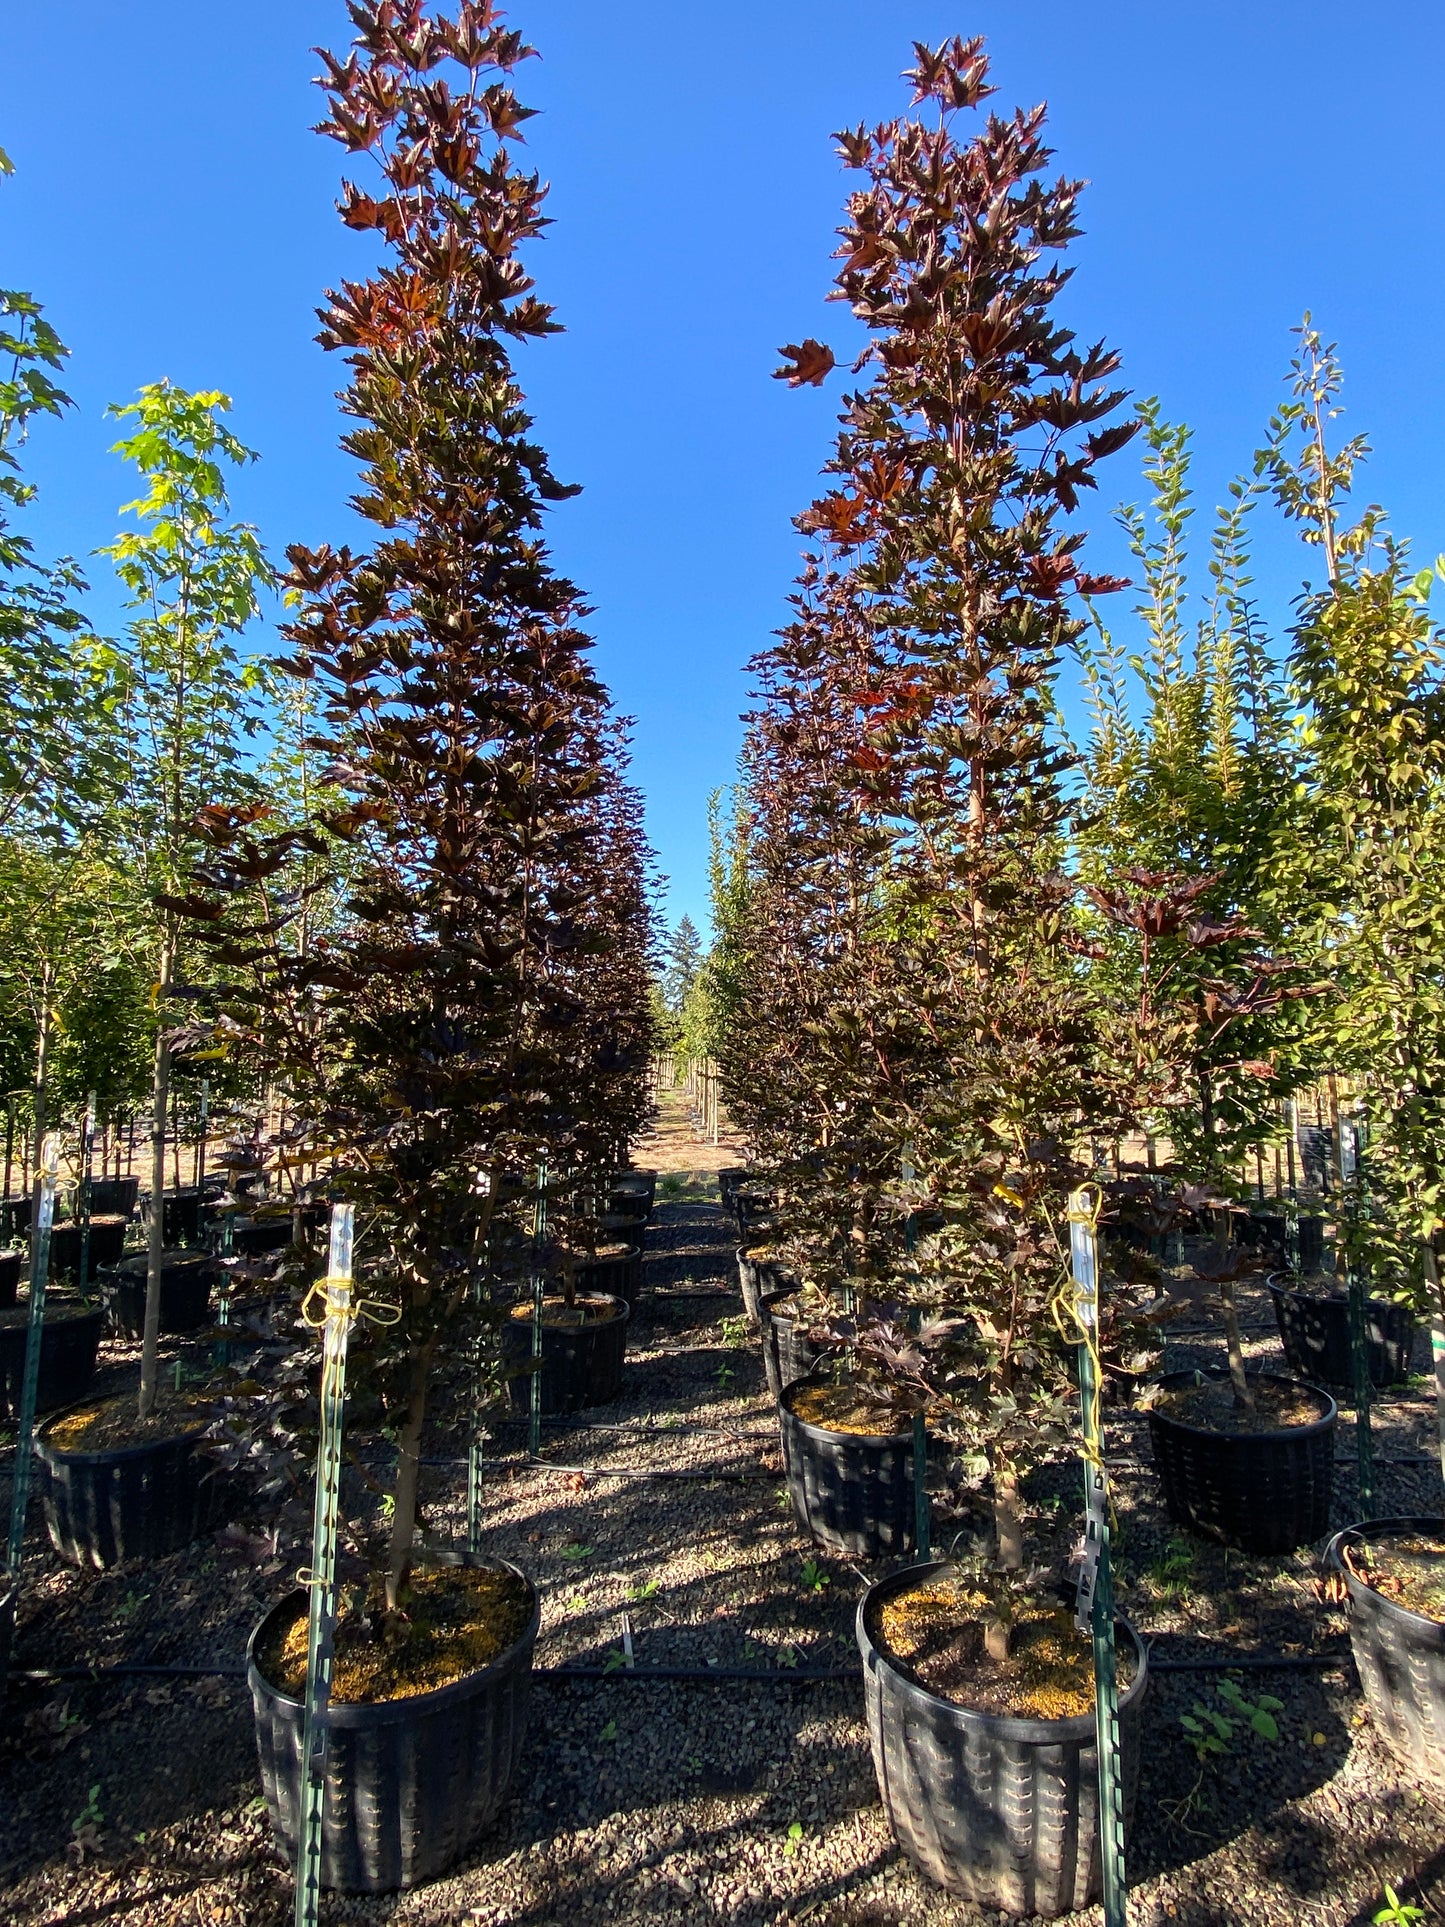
(716,1800)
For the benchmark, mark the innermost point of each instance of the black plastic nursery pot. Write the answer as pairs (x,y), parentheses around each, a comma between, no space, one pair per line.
(1399,1653)
(581,1364)
(182,1216)
(186,1281)
(728,1179)
(410,1783)
(788,1352)
(113,1197)
(1264,1492)
(852,1491)
(126,1502)
(1003,1811)
(107,1244)
(11,1263)
(634,1188)
(19,1210)
(1314,1328)
(1310,1240)
(69,1342)
(254,1237)
(757,1276)
(619,1275)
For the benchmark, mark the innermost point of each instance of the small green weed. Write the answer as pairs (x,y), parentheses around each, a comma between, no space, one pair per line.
(735,1333)
(1397,1912)
(645,1589)
(1212,1733)
(1168,1576)
(724,1376)
(573,1552)
(794,1841)
(609,1732)
(814,1577)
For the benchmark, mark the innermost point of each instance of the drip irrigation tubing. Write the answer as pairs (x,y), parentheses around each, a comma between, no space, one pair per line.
(525,1461)
(775,1676)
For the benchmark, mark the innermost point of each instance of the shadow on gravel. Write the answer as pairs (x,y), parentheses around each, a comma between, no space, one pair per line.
(1186,1811)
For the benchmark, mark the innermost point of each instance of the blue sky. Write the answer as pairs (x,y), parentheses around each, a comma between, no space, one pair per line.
(1246,161)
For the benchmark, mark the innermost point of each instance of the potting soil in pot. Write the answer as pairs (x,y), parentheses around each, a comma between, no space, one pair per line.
(105,1424)
(458,1620)
(936,1631)
(1211,1405)
(848,1407)
(1410,1572)
(557,1312)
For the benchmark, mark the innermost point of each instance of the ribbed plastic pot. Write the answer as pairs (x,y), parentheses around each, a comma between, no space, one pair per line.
(69,1342)
(186,1281)
(619,1277)
(107,1245)
(10,1264)
(1400,1654)
(636,1185)
(1002,1811)
(852,1491)
(182,1217)
(410,1783)
(728,1179)
(1265,1492)
(113,1197)
(1314,1328)
(19,1210)
(1263,1231)
(759,1276)
(127,1502)
(788,1352)
(260,1235)
(581,1364)
(1310,1233)
(632,1207)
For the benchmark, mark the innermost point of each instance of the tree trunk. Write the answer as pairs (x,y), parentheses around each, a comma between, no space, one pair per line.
(1239,1384)
(156,1242)
(1008,1517)
(408,1471)
(42,1104)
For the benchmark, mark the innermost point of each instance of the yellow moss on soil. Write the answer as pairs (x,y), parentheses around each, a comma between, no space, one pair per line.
(107,1423)
(937,1632)
(584,1310)
(1211,1405)
(458,1620)
(847,1408)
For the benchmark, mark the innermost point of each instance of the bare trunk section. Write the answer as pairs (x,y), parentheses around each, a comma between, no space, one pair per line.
(1239,1384)
(1008,1517)
(42,1104)
(408,1472)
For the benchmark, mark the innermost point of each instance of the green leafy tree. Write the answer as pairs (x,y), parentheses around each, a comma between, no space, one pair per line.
(192,702)
(684,961)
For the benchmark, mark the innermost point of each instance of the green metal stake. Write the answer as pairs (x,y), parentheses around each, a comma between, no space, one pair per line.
(539,1232)
(34,1338)
(1349,1154)
(1095,1607)
(87,1148)
(321,1619)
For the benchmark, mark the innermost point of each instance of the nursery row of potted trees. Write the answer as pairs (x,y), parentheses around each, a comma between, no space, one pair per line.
(955,952)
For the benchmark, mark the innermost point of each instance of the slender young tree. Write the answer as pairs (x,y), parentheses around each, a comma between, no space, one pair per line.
(448,1034)
(192,702)
(980,425)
